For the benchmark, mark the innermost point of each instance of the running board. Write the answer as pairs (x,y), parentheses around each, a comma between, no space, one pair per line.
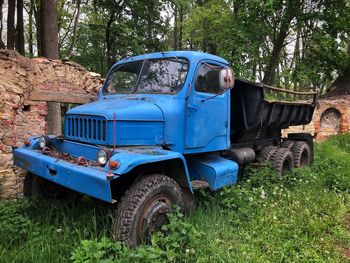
(199,184)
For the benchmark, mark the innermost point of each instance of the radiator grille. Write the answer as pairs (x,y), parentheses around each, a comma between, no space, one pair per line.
(92,129)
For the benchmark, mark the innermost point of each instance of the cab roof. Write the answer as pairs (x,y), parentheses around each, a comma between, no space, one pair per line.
(192,56)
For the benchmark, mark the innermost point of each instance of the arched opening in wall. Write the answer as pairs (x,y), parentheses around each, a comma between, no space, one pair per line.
(330,122)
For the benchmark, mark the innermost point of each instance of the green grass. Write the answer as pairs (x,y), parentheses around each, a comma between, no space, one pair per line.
(303,217)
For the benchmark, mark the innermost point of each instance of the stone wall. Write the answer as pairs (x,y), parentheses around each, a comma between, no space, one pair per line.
(331,116)
(25,84)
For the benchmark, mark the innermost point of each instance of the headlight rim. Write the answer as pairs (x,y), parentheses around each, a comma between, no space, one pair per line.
(106,156)
(45,141)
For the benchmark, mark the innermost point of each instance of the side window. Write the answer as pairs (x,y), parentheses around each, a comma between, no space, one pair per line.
(208,79)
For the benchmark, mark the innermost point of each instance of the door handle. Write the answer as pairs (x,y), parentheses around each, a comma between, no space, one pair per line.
(192,108)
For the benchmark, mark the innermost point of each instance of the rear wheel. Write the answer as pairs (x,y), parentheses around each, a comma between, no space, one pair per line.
(37,186)
(301,153)
(287,144)
(282,160)
(267,152)
(144,208)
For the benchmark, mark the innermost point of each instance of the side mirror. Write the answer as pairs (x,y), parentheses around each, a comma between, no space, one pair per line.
(226,78)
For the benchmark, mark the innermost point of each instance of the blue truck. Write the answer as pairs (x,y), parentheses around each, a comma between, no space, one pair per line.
(165,124)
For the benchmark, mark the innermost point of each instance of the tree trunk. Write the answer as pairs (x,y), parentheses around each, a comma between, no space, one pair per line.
(49,29)
(75,28)
(291,10)
(20,28)
(109,40)
(341,85)
(53,118)
(175,44)
(295,61)
(115,12)
(49,35)
(2,45)
(37,17)
(11,34)
(181,18)
(269,75)
(30,29)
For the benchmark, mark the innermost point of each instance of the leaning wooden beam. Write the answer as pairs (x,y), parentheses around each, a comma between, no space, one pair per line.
(311,93)
(39,95)
(289,91)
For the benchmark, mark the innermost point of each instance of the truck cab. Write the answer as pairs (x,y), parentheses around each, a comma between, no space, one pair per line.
(168,96)
(162,123)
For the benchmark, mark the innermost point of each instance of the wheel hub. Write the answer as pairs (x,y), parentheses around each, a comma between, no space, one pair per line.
(153,218)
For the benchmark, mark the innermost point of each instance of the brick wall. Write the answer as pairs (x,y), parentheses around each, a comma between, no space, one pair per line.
(20,116)
(331,116)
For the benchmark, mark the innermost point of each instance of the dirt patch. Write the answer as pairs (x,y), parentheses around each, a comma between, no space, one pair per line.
(346,251)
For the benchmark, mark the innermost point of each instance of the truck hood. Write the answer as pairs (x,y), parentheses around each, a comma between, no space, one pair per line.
(130,109)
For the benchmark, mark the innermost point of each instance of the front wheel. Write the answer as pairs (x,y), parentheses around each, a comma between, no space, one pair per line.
(144,208)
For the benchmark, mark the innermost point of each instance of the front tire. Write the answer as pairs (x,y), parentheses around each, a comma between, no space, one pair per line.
(144,208)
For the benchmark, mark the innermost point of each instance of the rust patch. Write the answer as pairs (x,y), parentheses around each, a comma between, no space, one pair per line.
(69,158)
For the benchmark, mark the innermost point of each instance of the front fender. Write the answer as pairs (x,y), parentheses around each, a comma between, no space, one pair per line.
(131,157)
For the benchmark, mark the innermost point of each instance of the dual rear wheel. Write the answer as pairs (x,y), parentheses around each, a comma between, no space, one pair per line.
(291,154)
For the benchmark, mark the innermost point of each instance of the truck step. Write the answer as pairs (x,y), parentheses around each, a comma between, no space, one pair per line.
(199,184)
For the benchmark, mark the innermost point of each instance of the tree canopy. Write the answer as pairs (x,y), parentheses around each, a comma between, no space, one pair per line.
(297,44)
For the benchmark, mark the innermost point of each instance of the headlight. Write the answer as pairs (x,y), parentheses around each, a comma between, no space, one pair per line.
(102,157)
(42,142)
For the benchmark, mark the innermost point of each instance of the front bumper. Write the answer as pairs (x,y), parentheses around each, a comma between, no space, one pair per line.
(88,180)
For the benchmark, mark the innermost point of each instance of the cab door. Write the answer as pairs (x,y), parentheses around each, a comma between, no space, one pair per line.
(207,111)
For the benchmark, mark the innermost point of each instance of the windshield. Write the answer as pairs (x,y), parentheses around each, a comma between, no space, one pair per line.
(148,76)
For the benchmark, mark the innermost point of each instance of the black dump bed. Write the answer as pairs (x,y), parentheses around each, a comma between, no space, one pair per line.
(258,110)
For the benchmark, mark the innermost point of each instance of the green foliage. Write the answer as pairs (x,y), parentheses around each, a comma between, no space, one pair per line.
(301,217)
(95,251)
(14,224)
(300,44)
(335,172)
(175,243)
(245,32)
(111,31)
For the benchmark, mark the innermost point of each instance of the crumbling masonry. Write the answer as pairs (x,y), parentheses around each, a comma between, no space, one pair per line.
(25,87)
